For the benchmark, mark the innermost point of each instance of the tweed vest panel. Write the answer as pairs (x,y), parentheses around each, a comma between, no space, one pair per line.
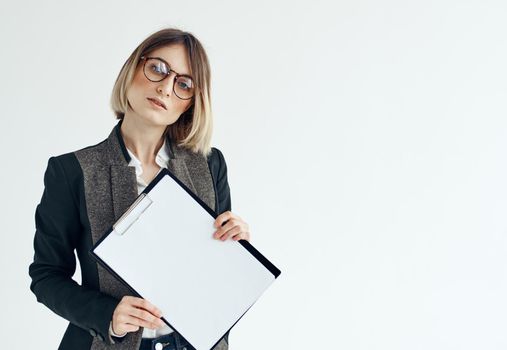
(111,187)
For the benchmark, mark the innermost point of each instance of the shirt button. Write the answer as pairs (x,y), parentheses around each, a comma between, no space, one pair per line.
(160,346)
(93,332)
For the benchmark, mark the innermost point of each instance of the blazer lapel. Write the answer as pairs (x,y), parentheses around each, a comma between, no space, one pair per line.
(123,188)
(192,169)
(123,177)
(178,167)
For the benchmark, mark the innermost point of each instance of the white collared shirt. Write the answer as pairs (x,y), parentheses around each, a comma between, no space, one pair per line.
(161,159)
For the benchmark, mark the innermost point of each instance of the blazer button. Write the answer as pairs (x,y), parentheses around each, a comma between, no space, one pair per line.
(93,332)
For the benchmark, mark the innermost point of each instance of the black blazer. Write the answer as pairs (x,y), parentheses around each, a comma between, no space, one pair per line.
(62,227)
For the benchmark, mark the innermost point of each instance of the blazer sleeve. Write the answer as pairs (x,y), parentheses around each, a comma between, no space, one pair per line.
(218,169)
(57,231)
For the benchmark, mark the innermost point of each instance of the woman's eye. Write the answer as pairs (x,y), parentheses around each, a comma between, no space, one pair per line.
(158,69)
(184,84)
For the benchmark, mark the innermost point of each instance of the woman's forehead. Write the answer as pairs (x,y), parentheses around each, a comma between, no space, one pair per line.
(175,55)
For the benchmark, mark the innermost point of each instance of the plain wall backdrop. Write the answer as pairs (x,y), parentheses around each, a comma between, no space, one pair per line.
(366,146)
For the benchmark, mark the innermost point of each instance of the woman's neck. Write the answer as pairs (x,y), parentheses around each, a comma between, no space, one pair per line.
(141,139)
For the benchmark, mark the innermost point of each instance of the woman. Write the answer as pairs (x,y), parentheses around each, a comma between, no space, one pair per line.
(162,100)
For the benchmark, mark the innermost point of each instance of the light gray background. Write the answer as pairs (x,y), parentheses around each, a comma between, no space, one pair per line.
(366,144)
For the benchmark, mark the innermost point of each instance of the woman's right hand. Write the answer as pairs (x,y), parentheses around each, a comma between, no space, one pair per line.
(132,313)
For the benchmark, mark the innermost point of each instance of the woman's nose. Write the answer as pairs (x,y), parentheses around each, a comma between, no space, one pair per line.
(166,86)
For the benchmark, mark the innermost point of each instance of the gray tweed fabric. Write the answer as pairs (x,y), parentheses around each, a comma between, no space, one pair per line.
(110,188)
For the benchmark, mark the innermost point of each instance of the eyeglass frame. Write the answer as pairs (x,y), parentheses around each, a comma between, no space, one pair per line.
(146,58)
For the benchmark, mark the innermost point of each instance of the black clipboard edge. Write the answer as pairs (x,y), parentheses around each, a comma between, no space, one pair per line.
(247,245)
(262,259)
(136,294)
(132,290)
(163,172)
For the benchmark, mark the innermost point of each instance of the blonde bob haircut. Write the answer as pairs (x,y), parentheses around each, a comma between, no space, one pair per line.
(194,127)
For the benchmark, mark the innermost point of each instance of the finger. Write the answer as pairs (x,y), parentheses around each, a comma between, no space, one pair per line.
(145,315)
(223,218)
(242,235)
(140,322)
(136,321)
(145,304)
(239,236)
(130,328)
(226,227)
(126,327)
(233,231)
(121,325)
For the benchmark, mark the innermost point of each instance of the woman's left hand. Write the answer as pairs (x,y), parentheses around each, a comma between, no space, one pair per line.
(234,227)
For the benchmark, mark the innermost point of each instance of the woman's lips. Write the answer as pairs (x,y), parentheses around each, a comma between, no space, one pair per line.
(156,103)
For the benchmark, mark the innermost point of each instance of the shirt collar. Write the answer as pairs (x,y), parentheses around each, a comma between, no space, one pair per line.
(161,158)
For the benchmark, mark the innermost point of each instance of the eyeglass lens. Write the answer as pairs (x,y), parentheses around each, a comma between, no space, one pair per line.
(156,70)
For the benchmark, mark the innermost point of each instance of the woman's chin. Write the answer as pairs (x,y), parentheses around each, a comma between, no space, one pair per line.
(158,119)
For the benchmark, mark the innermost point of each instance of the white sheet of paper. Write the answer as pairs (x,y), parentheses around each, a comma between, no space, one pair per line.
(201,284)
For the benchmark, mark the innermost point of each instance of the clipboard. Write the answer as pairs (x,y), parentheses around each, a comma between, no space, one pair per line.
(162,249)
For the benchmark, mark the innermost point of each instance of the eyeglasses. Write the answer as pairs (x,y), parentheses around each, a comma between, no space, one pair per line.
(156,69)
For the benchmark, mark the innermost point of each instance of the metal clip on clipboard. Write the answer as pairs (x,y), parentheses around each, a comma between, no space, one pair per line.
(132,214)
